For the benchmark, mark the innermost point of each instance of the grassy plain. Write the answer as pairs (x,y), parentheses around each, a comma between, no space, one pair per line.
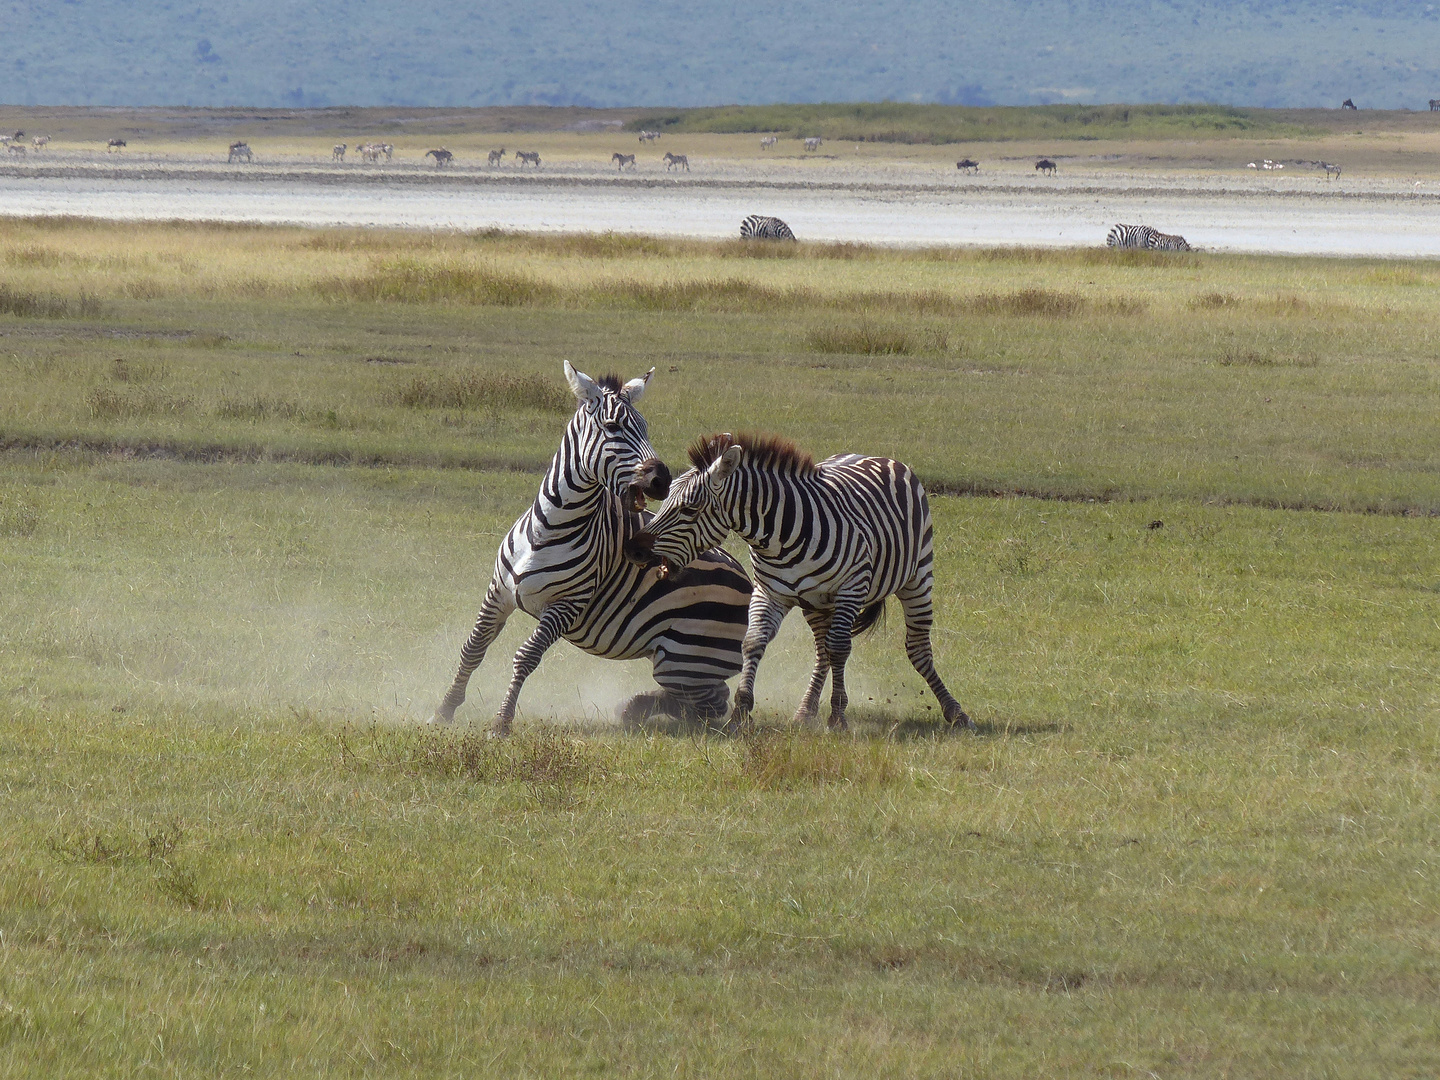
(1194,835)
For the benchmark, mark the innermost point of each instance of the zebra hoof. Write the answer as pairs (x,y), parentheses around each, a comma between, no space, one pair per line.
(955,716)
(838,723)
(501,728)
(445,714)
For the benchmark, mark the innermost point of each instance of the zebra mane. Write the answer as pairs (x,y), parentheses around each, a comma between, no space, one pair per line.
(766,451)
(611,383)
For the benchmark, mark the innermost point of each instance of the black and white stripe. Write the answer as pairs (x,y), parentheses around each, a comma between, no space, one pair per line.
(760,227)
(1159,241)
(1129,236)
(563,563)
(834,539)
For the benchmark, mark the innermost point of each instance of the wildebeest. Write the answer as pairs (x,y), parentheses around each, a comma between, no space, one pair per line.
(115,144)
(1045,165)
(1347,104)
(967,165)
(442,157)
(239,150)
(1435,104)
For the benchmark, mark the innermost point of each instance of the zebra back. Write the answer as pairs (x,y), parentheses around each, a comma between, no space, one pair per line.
(1129,236)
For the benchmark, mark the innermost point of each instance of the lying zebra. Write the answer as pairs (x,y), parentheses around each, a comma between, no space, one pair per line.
(529,157)
(758,227)
(672,160)
(967,165)
(564,564)
(239,150)
(621,160)
(442,157)
(496,157)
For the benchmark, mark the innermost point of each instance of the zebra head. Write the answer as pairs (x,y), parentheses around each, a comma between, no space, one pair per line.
(611,437)
(693,517)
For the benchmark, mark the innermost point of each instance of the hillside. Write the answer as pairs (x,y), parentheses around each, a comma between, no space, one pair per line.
(621,52)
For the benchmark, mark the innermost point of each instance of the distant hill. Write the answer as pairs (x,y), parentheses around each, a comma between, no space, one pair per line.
(1381,53)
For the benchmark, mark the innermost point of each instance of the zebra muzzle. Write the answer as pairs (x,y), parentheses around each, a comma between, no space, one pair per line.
(652,479)
(640,550)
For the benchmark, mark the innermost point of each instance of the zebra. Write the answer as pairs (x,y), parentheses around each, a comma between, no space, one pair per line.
(758,227)
(40,141)
(338,153)
(496,157)
(563,562)
(672,160)
(371,152)
(1158,241)
(114,144)
(388,150)
(621,160)
(1129,236)
(968,165)
(813,143)
(835,539)
(1332,171)
(530,156)
(442,157)
(239,150)
(1045,165)
(649,136)
(1435,104)
(18,149)
(769,142)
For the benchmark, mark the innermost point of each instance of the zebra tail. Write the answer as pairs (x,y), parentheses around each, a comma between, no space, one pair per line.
(869,619)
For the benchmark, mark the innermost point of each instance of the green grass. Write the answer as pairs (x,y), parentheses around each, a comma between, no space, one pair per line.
(906,123)
(1194,834)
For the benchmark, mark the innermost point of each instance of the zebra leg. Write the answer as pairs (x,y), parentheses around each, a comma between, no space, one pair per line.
(766,614)
(493,612)
(810,703)
(555,620)
(916,601)
(837,644)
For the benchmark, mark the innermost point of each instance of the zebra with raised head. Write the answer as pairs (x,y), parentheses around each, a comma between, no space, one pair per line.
(620,160)
(769,142)
(834,539)
(1129,236)
(496,157)
(563,562)
(528,157)
(1159,241)
(673,161)
(759,227)
(338,153)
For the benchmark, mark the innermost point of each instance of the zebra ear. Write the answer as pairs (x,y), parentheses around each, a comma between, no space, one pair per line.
(723,466)
(635,387)
(582,386)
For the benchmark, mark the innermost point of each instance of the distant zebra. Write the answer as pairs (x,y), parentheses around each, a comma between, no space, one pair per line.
(834,539)
(388,150)
(239,150)
(530,157)
(649,136)
(442,157)
(370,152)
(1159,241)
(40,141)
(338,153)
(1347,104)
(769,142)
(967,165)
(1045,165)
(1435,104)
(563,562)
(18,136)
(115,144)
(1129,236)
(673,160)
(18,149)
(496,157)
(813,143)
(759,227)
(621,160)
(1332,171)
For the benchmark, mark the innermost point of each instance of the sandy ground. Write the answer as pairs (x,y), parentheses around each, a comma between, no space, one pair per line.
(1386,203)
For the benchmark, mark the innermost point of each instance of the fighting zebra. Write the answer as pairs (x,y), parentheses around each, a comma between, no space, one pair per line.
(1348,104)
(813,143)
(968,165)
(563,562)
(1045,165)
(338,153)
(1159,241)
(1435,104)
(673,160)
(239,150)
(115,144)
(769,142)
(531,157)
(1129,236)
(620,160)
(496,157)
(759,227)
(834,539)
(40,141)
(442,157)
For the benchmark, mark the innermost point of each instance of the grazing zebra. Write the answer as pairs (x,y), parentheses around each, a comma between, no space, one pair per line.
(1159,241)
(496,157)
(1129,236)
(835,539)
(813,143)
(1435,104)
(672,160)
(239,150)
(769,142)
(1045,165)
(528,156)
(563,562)
(967,165)
(338,153)
(621,160)
(40,141)
(758,227)
(1347,104)
(442,157)
(115,144)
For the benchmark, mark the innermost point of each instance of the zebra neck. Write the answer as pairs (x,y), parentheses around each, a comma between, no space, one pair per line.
(570,494)
(769,511)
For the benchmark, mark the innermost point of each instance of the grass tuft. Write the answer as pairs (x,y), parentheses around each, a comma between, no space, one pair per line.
(411,282)
(865,340)
(797,758)
(259,408)
(107,404)
(475,389)
(38,306)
